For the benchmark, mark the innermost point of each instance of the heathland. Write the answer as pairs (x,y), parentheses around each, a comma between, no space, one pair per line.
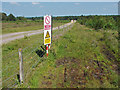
(84,54)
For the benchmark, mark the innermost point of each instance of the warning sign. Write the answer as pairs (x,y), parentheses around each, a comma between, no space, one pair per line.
(47,30)
(47,41)
(47,27)
(47,19)
(47,35)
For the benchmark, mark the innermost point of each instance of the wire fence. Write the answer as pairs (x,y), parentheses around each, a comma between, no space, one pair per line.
(32,56)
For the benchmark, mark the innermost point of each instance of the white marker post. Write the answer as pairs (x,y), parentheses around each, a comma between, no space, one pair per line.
(47,49)
(49,46)
(47,32)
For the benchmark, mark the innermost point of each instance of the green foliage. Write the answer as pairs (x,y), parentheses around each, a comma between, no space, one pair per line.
(93,71)
(99,22)
(88,69)
(21,18)
(11,18)
(25,37)
(27,25)
(4,16)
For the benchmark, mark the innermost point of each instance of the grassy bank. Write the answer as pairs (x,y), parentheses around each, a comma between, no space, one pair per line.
(81,57)
(10,59)
(19,26)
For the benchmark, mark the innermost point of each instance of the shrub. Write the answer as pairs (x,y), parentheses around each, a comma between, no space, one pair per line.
(99,22)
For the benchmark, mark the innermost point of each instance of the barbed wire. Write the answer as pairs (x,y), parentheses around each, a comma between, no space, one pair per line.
(32,51)
(14,85)
(9,77)
(7,74)
(7,68)
(35,63)
(11,85)
(28,70)
(32,58)
(10,55)
(29,66)
(67,26)
(12,65)
(16,52)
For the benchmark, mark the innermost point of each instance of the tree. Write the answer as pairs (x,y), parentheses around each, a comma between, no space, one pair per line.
(21,18)
(11,18)
(4,16)
(33,18)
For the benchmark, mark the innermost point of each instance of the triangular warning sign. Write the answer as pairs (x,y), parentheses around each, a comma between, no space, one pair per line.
(47,35)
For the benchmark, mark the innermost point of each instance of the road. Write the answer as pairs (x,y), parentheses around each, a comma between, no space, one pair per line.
(18,35)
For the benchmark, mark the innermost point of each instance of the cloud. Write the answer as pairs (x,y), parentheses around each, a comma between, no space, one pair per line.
(104,9)
(76,3)
(41,6)
(34,3)
(15,3)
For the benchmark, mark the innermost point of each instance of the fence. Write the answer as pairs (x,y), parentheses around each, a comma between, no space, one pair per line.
(32,56)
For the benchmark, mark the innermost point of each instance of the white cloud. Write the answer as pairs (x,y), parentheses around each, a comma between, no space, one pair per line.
(41,6)
(15,3)
(76,3)
(34,3)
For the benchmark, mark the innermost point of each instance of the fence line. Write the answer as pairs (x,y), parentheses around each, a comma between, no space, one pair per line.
(9,78)
(30,65)
(14,53)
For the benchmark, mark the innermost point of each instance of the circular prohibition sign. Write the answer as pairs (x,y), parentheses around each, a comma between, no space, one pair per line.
(47,20)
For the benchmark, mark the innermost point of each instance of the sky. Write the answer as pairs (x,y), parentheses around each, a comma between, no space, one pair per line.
(60,0)
(36,9)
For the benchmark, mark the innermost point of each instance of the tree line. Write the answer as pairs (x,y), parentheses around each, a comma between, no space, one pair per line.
(11,17)
(93,21)
(101,22)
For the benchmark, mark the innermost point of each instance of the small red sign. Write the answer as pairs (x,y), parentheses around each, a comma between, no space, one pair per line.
(47,20)
(47,27)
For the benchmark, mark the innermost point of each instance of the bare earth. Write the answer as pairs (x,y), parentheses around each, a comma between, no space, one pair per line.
(13,36)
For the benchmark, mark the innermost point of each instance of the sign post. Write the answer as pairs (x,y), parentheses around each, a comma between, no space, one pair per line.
(47,31)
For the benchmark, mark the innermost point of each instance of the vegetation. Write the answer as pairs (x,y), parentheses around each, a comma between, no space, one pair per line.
(19,26)
(85,56)
(10,55)
(100,22)
(11,17)
(4,16)
(80,57)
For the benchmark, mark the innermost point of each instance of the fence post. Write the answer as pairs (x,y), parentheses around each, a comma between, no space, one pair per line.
(21,65)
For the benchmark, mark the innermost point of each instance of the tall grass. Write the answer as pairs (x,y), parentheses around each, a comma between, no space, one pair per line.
(77,60)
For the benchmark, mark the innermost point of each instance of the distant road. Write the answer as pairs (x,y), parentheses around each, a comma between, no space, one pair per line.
(13,36)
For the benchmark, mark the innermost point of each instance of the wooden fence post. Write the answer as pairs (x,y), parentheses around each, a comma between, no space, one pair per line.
(21,65)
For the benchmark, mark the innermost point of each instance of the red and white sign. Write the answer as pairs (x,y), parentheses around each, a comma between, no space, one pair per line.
(47,22)
(47,27)
(47,19)
(47,30)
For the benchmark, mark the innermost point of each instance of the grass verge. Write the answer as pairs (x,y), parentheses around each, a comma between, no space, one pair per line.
(15,26)
(80,58)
